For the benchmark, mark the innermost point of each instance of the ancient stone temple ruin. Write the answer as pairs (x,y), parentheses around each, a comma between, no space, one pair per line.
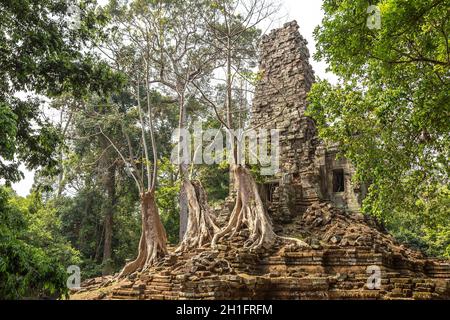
(348,255)
(308,170)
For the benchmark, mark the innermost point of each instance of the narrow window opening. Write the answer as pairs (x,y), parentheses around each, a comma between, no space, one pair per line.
(338,180)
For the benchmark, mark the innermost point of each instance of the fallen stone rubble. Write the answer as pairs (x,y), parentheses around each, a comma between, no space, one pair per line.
(333,266)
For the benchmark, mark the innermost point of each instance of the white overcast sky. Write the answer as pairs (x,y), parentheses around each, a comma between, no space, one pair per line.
(308,14)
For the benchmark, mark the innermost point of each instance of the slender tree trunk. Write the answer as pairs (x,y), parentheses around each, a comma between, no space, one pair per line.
(183,200)
(229,119)
(153,242)
(62,173)
(110,183)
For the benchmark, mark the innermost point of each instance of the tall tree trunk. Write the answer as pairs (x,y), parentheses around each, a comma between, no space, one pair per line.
(153,242)
(196,224)
(249,211)
(110,183)
(183,167)
(62,173)
(228,102)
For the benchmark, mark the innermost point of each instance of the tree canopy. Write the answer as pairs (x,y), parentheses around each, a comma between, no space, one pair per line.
(42,56)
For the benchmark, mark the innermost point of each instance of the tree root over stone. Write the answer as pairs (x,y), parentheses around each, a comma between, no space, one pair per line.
(153,242)
(201,226)
(248,212)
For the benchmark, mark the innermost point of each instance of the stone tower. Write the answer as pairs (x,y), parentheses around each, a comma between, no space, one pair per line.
(308,171)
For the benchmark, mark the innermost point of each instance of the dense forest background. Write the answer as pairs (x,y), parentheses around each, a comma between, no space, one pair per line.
(68,96)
